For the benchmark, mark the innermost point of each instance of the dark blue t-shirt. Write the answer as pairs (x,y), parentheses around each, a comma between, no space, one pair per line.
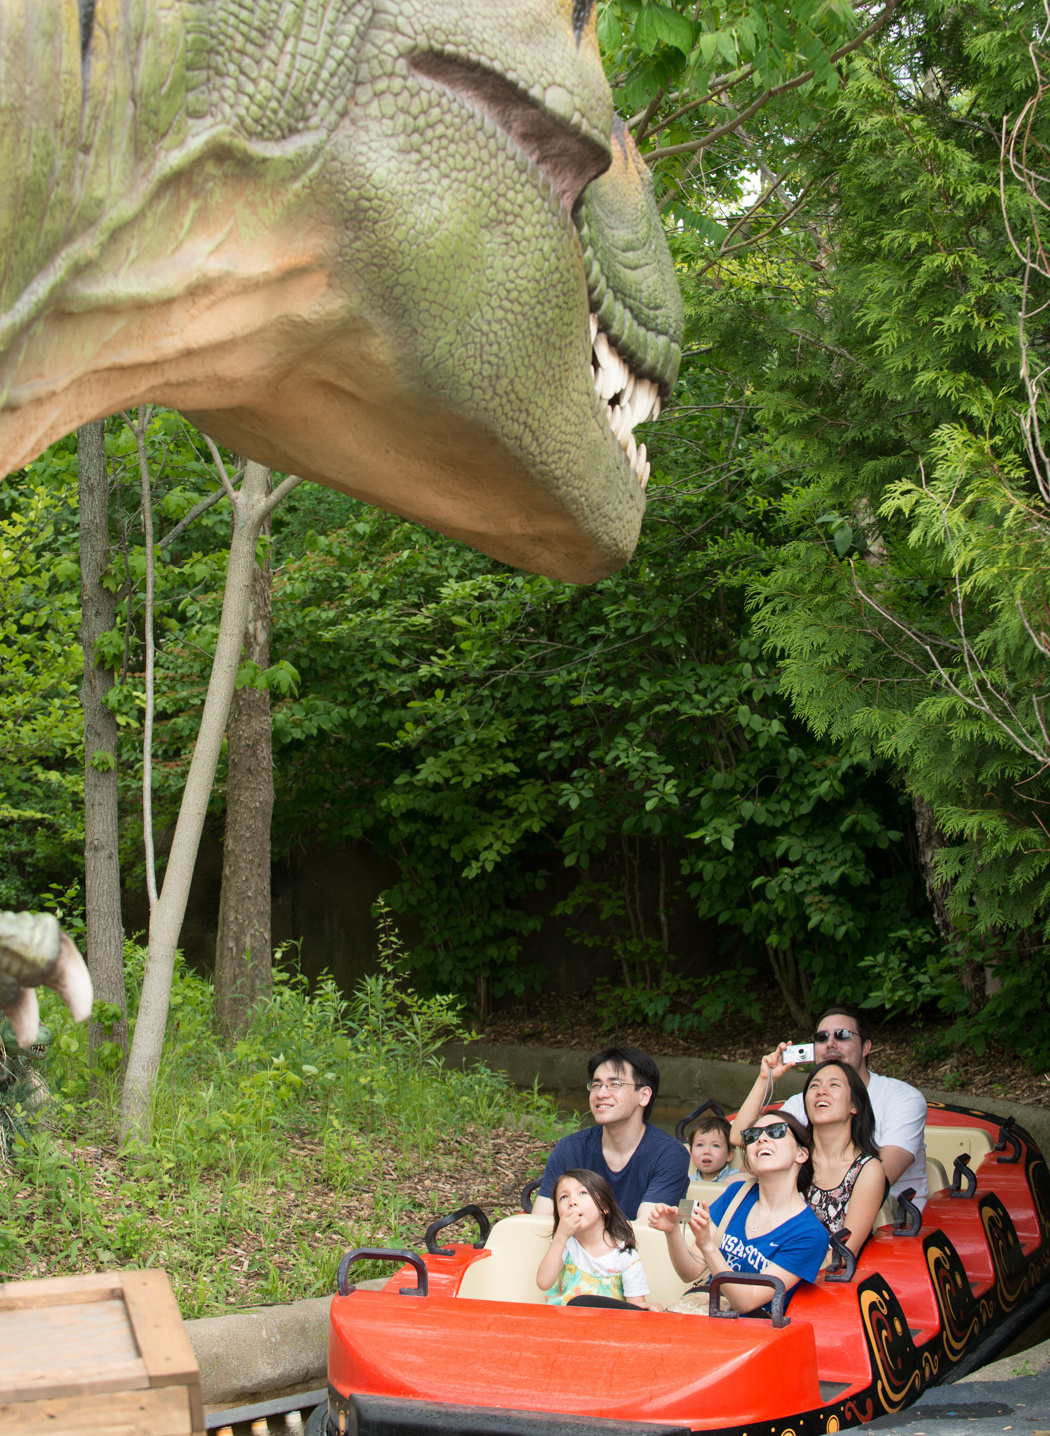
(799,1245)
(658,1170)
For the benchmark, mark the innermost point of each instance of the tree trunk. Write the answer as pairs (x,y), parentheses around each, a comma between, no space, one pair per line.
(105,932)
(242,950)
(251,508)
(930,840)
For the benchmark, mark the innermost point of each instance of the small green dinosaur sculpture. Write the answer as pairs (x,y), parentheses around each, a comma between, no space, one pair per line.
(35,952)
(396,246)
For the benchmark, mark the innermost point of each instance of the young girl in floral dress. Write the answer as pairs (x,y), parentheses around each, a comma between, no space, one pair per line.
(592,1252)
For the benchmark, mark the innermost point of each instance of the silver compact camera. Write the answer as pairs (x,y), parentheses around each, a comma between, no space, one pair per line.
(796,1053)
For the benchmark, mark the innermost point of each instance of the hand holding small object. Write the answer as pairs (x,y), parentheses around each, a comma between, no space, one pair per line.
(704,1232)
(772,1067)
(663,1218)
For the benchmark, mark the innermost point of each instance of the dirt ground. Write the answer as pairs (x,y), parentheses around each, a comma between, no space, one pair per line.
(902,1048)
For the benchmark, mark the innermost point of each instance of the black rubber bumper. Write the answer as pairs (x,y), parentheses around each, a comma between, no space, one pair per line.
(390,1416)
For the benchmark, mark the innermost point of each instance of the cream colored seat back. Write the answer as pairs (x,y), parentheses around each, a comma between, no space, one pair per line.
(665,1285)
(945,1143)
(936,1175)
(517,1245)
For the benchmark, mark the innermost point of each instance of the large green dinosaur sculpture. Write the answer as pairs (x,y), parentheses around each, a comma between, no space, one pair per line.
(368,241)
(397,246)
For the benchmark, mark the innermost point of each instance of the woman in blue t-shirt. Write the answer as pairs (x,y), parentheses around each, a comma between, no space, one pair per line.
(773,1229)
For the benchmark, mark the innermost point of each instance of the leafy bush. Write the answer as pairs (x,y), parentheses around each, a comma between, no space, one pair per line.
(267,1159)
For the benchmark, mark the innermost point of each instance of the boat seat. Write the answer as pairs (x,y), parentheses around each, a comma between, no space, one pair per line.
(937,1180)
(936,1176)
(708,1192)
(945,1144)
(517,1245)
(665,1285)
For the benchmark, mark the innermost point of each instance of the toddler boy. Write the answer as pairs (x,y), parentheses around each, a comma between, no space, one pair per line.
(709,1149)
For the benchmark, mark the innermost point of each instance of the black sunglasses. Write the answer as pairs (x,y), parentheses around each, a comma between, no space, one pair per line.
(776,1130)
(840,1034)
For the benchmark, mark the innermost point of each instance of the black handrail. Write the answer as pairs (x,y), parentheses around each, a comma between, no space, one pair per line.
(844,1267)
(1007,1135)
(964,1181)
(527,1191)
(470,1210)
(749,1278)
(908,1222)
(711,1104)
(405,1258)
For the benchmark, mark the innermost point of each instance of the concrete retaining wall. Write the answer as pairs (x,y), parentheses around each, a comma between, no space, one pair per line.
(690,1080)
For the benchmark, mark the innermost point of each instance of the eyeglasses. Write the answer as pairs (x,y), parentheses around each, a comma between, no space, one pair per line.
(840,1034)
(613,1084)
(776,1130)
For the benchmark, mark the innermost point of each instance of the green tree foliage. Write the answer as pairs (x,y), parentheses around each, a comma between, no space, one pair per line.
(878,340)
(491,729)
(41,825)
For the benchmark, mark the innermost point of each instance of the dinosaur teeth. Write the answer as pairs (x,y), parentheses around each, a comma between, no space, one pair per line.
(628,399)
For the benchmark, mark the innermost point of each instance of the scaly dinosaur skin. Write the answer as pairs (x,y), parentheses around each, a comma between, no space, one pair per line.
(339,235)
(35,952)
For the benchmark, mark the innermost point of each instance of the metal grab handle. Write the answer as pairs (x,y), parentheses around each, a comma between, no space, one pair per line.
(710,1104)
(527,1191)
(908,1222)
(470,1210)
(404,1258)
(964,1181)
(1006,1136)
(749,1278)
(844,1267)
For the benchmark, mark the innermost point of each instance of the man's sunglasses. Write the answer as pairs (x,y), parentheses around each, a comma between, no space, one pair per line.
(840,1034)
(776,1130)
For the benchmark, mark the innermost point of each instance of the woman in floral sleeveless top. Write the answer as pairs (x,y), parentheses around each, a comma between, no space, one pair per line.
(849,1183)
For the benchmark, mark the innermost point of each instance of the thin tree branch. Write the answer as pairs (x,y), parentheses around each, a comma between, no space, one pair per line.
(183,524)
(694,146)
(147,624)
(231,492)
(285,487)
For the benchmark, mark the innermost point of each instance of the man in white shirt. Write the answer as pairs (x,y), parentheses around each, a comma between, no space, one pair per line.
(900,1110)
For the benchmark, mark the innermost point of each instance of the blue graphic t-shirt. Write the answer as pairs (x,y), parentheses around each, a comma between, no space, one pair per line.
(798,1245)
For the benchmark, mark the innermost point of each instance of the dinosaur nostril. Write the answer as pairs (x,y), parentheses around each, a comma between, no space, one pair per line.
(87,19)
(581,13)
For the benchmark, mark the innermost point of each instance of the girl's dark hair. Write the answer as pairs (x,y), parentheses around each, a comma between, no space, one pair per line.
(862,1124)
(613,1219)
(804,1179)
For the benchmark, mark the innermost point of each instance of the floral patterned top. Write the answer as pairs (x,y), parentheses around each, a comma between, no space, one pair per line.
(830,1203)
(618,1273)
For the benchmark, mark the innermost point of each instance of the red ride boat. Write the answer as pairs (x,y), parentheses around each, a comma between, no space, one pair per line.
(461,1341)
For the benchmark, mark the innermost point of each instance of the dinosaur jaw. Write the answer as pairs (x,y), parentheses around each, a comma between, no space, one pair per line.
(627,399)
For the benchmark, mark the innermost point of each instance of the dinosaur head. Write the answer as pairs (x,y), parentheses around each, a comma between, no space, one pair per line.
(399,248)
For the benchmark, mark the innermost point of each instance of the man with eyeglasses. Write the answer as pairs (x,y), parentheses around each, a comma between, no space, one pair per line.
(842,1035)
(642,1164)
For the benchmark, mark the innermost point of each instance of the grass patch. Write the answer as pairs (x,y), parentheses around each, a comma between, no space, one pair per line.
(332,1124)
